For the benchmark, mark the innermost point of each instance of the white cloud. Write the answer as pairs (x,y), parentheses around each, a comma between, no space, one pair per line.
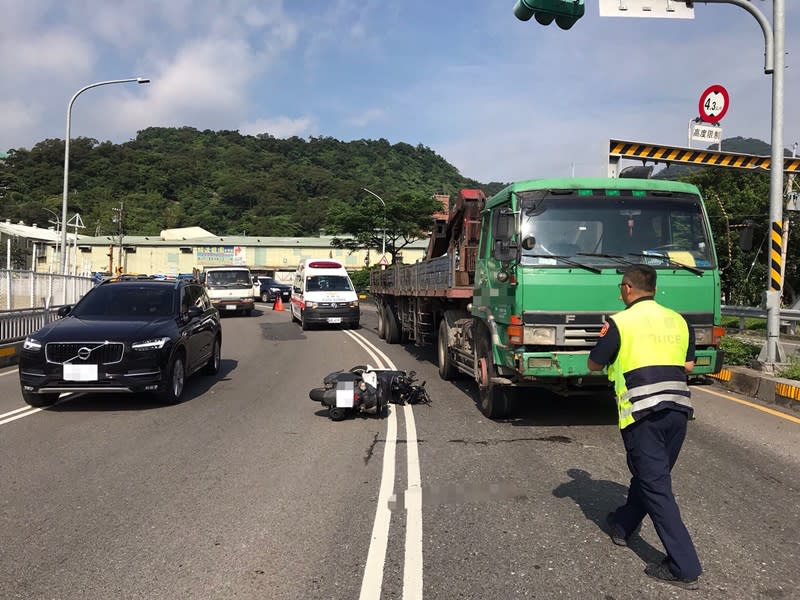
(279,127)
(367,117)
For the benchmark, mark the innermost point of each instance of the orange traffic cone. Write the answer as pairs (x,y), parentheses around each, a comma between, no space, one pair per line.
(278,303)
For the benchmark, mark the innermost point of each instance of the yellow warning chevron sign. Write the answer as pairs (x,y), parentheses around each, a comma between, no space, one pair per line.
(694,156)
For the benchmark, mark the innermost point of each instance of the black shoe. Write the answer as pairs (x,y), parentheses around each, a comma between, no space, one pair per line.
(615,531)
(661,572)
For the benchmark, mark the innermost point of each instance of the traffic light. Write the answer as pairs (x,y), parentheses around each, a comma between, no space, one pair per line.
(563,12)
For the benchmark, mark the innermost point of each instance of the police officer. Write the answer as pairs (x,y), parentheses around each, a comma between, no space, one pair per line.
(648,349)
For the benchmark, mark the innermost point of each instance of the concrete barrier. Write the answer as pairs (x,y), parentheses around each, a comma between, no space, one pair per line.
(9,353)
(762,386)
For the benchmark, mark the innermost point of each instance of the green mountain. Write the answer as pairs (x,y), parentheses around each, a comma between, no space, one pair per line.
(222,181)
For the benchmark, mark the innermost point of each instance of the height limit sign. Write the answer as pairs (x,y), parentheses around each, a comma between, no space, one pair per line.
(713,104)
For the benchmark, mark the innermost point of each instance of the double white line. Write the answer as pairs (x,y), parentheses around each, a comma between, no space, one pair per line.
(372,582)
(17,413)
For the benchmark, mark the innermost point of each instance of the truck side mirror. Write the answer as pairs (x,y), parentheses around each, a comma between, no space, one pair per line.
(746,236)
(503,221)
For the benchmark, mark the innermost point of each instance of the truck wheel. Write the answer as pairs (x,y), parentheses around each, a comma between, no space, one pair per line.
(447,368)
(305,326)
(336,413)
(393,333)
(381,321)
(493,399)
(291,312)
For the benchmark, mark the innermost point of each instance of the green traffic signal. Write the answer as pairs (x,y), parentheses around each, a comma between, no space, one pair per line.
(563,12)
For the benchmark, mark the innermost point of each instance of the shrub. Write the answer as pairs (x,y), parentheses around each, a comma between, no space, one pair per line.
(791,370)
(738,352)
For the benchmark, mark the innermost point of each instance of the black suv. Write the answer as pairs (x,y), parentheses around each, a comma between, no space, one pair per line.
(270,288)
(128,334)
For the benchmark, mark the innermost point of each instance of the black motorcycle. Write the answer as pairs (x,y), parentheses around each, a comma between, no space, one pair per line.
(365,390)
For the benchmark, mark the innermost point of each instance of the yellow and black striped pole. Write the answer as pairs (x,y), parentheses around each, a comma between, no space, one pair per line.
(776,257)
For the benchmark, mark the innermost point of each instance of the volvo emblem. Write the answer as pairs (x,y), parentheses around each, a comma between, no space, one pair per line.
(84,352)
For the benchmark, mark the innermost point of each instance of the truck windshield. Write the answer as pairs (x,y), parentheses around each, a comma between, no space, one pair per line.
(229,278)
(658,231)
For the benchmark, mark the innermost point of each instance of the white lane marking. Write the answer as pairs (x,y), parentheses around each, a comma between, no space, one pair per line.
(8,372)
(412,565)
(412,569)
(20,415)
(16,410)
(384,362)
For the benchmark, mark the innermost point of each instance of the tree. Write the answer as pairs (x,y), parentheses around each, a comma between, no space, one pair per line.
(407,218)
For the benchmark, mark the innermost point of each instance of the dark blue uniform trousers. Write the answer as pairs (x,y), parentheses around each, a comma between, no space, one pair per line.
(652,446)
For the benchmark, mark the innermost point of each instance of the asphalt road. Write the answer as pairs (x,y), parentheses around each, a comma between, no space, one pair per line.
(247,490)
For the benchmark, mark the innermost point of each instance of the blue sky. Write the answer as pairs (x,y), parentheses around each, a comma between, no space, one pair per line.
(500,99)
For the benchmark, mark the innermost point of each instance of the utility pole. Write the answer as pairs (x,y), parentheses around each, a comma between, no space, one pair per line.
(118,219)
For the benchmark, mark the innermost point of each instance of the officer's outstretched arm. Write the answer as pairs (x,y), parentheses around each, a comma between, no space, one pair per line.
(593,366)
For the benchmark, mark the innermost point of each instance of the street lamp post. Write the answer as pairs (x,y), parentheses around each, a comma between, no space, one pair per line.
(383,250)
(66,160)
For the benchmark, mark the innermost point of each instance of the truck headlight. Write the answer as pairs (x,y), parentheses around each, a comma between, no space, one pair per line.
(353,304)
(311,305)
(539,336)
(155,344)
(702,336)
(31,344)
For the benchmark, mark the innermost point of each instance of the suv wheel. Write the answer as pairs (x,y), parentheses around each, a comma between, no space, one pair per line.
(173,388)
(39,400)
(264,297)
(212,366)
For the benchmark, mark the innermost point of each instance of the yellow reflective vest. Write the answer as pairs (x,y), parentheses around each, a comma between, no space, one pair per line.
(649,368)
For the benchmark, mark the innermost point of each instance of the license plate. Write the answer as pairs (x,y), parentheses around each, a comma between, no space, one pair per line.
(334,319)
(230,307)
(80,372)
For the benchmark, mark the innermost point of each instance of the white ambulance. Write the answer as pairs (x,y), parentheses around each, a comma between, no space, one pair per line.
(322,294)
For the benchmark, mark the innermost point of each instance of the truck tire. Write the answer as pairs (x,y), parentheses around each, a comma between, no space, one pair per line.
(393,333)
(447,368)
(494,400)
(381,321)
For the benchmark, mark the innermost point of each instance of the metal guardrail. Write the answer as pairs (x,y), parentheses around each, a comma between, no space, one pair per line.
(30,300)
(16,324)
(789,317)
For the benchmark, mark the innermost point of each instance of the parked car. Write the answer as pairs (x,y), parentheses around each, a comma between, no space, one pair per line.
(127,334)
(270,288)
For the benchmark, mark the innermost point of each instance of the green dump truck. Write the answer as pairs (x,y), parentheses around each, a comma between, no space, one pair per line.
(516,288)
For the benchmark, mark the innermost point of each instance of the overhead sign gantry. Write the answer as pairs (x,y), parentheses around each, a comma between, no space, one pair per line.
(656,153)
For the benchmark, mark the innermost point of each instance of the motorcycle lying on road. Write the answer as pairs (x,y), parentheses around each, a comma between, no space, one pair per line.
(365,390)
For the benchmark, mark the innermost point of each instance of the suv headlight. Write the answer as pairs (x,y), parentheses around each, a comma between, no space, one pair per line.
(31,344)
(155,344)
